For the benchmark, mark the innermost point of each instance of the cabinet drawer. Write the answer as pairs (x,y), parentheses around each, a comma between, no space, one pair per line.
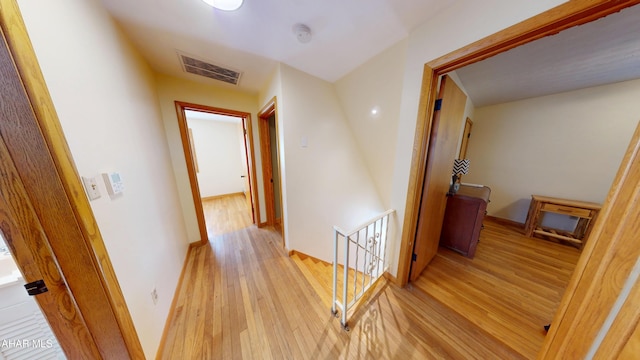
(568,210)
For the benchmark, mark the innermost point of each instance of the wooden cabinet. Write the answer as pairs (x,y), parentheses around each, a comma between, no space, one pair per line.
(463,219)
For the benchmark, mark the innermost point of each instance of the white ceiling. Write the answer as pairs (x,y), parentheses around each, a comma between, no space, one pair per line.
(253,39)
(597,53)
(346,33)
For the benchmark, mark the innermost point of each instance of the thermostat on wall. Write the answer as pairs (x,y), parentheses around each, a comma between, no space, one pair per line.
(114,183)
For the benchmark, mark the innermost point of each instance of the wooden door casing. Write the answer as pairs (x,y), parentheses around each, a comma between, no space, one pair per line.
(190,162)
(466,136)
(268,167)
(443,147)
(550,22)
(248,193)
(35,259)
(46,212)
(566,15)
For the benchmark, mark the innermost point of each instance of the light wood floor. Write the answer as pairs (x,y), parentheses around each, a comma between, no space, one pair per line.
(243,298)
(319,274)
(226,214)
(510,289)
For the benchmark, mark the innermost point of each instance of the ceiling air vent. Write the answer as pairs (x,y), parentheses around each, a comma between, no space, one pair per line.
(199,67)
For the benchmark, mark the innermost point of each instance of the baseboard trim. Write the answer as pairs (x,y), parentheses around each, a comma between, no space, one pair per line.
(172,309)
(390,278)
(507,222)
(262,224)
(216,197)
(303,256)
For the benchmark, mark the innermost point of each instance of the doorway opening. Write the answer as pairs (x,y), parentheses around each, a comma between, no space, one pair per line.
(581,279)
(270,156)
(218,148)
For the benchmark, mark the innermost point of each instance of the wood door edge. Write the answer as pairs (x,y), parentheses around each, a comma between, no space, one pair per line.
(33,81)
(190,163)
(599,258)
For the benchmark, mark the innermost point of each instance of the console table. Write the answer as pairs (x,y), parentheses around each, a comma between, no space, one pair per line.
(586,212)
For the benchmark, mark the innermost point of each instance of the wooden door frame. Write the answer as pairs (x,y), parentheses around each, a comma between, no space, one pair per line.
(580,293)
(466,134)
(265,153)
(88,272)
(187,145)
(550,22)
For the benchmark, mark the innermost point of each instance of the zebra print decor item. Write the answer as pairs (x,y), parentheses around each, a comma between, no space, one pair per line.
(460,167)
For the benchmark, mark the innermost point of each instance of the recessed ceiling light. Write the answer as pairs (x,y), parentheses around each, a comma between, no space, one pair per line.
(226,5)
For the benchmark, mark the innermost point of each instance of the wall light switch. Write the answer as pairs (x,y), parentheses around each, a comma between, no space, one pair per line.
(91,187)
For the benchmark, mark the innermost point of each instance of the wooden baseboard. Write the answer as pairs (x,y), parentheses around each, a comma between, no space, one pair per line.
(176,293)
(390,278)
(216,197)
(507,222)
(262,224)
(303,256)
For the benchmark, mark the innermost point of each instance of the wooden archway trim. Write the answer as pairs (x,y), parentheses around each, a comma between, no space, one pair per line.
(572,334)
(264,114)
(550,22)
(181,106)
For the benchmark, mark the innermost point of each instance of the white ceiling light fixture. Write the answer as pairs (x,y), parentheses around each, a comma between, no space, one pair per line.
(226,5)
(302,33)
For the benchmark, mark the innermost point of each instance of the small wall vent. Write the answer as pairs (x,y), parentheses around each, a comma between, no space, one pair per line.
(202,68)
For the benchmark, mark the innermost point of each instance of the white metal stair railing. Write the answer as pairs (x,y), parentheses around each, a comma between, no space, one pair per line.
(365,254)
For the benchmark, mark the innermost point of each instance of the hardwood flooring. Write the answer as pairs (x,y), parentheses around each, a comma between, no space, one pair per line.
(226,214)
(319,274)
(511,288)
(243,298)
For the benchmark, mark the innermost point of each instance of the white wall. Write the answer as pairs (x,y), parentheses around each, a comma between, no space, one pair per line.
(376,84)
(105,97)
(463,23)
(219,158)
(325,183)
(172,89)
(567,145)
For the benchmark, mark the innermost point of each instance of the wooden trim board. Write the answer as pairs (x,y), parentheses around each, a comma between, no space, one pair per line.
(578,320)
(190,161)
(507,222)
(176,294)
(564,16)
(97,270)
(269,109)
(610,254)
(303,256)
